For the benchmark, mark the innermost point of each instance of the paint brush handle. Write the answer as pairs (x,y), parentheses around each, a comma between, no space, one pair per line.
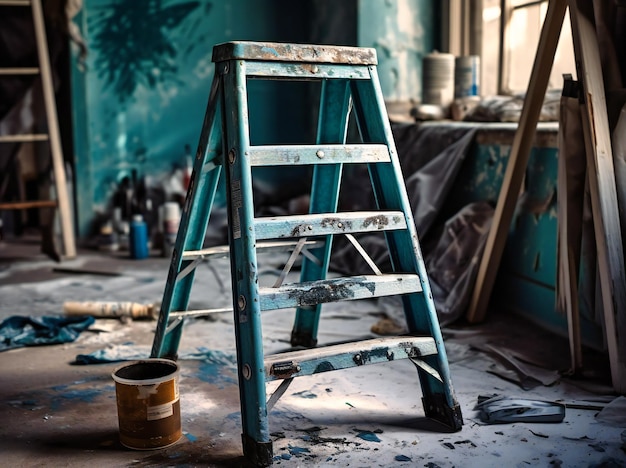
(110,309)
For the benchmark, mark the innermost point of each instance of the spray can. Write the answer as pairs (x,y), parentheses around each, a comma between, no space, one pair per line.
(171,219)
(138,238)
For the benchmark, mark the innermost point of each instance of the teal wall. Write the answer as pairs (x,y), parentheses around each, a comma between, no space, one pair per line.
(140,97)
(402,31)
(526,281)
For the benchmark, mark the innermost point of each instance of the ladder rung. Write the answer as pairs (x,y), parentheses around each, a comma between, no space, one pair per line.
(19,71)
(346,355)
(316,154)
(328,223)
(24,138)
(224,250)
(306,71)
(338,289)
(28,204)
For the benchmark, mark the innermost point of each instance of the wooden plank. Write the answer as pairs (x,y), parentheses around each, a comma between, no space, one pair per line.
(328,223)
(571,177)
(346,355)
(338,289)
(602,188)
(294,155)
(518,161)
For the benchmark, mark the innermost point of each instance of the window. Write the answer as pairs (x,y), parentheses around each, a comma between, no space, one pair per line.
(505,33)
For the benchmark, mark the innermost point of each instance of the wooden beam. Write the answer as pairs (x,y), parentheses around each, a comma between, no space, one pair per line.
(601,173)
(518,161)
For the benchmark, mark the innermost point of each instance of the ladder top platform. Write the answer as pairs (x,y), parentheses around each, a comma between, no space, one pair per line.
(283,52)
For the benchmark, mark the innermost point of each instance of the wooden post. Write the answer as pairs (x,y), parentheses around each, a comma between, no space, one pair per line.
(602,187)
(518,161)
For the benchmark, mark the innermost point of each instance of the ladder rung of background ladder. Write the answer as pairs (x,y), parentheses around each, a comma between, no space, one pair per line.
(28,204)
(14,2)
(328,223)
(346,355)
(349,288)
(19,71)
(315,154)
(24,138)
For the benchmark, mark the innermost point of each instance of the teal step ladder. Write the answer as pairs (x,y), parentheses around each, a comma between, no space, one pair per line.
(349,83)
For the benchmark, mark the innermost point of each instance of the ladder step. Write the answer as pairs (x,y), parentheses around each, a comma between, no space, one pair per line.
(315,154)
(328,223)
(346,355)
(24,138)
(338,289)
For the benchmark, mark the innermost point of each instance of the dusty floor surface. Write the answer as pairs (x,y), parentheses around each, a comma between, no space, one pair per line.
(57,413)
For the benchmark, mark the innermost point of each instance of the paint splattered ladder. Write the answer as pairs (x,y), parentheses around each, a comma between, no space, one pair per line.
(349,83)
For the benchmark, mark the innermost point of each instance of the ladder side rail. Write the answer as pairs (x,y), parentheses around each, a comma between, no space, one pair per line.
(439,400)
(334,111)
(58,164)
(256,439)
(193,224)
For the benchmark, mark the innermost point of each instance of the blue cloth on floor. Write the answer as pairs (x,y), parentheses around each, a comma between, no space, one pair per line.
(18,331)
(132,352)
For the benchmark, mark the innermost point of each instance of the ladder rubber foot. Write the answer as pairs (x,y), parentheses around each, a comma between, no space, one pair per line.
(257,453)
(437,408)
(302,339)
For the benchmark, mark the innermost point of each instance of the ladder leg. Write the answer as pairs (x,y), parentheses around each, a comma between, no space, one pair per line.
(192,228)
(334,112)
(257,444)
(389,188)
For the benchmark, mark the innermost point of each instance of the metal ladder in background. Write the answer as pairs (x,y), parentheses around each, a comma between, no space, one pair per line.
(62,202)
(349,84)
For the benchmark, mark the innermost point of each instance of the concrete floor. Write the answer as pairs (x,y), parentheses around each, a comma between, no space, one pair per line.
(56,413)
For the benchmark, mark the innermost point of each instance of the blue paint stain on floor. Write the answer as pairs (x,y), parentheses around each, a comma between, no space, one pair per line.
(216,367)
(305,394)
(369,436)
(297,450)
(215,373)
(402,458)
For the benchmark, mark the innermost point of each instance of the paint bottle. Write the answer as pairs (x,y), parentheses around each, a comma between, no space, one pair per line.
(466,76)
(138,238)
(171,219)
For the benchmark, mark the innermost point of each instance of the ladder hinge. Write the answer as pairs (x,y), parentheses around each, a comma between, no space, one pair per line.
(284,369)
